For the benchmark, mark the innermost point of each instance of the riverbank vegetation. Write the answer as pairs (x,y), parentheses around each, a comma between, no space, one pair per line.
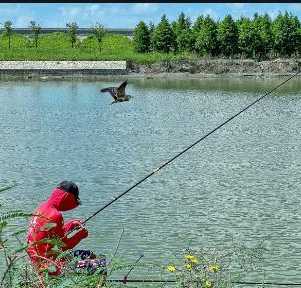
(259,38)
(205,267)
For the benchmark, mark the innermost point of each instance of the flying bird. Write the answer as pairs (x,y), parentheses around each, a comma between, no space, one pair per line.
(118,93)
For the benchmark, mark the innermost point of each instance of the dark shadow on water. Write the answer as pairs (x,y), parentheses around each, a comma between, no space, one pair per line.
(232,84)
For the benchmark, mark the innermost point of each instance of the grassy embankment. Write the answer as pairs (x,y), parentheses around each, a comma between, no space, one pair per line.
(56,46)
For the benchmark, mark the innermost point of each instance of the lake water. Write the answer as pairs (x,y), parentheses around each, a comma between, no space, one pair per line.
(241,183)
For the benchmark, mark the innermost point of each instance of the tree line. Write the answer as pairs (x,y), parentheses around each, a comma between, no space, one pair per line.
(98,31)
(258,37)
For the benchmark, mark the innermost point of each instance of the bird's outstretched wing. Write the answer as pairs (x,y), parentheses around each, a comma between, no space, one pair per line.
(121,89)
(111,90)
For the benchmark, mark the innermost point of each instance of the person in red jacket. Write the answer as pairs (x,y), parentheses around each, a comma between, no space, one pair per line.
(47,223)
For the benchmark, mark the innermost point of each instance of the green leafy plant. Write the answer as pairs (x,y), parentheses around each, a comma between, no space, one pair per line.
(72,31)
(12,255)
(227,35)
(182,32)
(99,32)
(8,31)
(285,30)
(209,267)
(206,37)
(164,38)
(36,29)
(141,38)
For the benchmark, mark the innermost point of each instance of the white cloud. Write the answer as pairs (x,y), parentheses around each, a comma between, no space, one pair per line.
(273,13)
(88,14)
(294,6)
(93,12)
(193,15)
(16,15)
(94,7)
(238,5)
(145,8)
(69,12)
(7,11)
(115,11)
(23,21)
(210,12)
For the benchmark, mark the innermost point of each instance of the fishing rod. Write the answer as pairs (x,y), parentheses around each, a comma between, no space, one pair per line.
(190,146)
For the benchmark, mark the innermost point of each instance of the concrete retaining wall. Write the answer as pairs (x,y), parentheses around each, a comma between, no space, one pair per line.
(62,68)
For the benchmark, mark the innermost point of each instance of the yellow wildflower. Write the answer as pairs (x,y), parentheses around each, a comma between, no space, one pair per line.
(191,258)
(171,268)
(208,284)
(188,266)
(214,268)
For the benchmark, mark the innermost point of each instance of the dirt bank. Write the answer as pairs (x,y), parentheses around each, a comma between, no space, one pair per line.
(217,67)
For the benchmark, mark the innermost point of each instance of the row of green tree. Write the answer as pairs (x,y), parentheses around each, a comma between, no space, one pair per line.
(258,37)
(98,31)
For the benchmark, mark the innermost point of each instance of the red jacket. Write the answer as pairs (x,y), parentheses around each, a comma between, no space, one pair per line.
(47,222)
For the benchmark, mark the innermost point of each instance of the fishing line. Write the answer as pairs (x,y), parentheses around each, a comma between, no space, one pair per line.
(125,278)
(174,281)
(190,146)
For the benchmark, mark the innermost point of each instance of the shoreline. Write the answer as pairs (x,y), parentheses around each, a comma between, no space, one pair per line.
(178,70)
(120,77)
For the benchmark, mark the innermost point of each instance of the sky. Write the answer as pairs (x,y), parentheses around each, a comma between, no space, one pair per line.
(128,15)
